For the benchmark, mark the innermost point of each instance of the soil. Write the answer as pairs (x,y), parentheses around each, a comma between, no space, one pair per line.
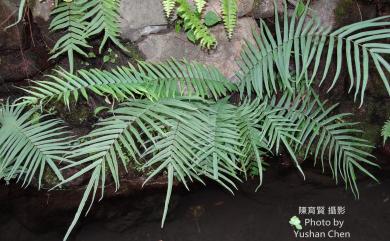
(211,214)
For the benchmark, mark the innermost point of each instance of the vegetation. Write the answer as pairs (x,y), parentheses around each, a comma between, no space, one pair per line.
(386,131)
(193,20)
(175,118)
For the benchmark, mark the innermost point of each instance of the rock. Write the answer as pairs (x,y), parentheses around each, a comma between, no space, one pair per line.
(42,9)
(11,38)
(337,13)
(141,17)
(245,7)
(265,8)
(160,47)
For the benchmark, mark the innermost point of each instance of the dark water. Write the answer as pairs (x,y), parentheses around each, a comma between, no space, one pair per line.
(210,214)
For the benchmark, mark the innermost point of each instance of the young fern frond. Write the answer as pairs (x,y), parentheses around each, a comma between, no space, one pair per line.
(229,15)
(194,23)
(28,146)
(68,17)
(168,6)
(303,40)
(386,131)
(172,78)
(104,17)
(333,138)
(200,4)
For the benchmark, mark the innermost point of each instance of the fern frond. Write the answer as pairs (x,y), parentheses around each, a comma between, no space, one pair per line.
(303,41)
(120,83)
(254,147)
(104,16)
(229,15)
(194,23)
(168,6)
(220,155)
(331,137)
(200,5)
(386,131)
(277,131)
(68,18)
(130,130)
(28,145)
(173,78)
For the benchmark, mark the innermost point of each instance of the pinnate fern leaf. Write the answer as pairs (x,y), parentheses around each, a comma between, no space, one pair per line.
(172,78)
(68,17)
(29,146)
(168,6)
(229,15)
(303,41)
(104,16)
(327,136)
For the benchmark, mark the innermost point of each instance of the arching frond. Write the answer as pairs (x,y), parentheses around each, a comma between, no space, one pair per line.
(173,78)
(68,17)
(221,153)
(303,40)
(254,147)
(327,136)
(30,145)
(123,138)
(104,18)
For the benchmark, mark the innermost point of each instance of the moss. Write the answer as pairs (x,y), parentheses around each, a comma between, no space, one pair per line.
(78,115)
(49,178)
(134,52)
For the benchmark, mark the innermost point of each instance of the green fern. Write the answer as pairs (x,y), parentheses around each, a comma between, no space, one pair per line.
(303,41)
(333,138)
(168,6)
(173,78)
(166,124)
(200,4)
(229,13)
(68,18)
(386,131)
(104,18)
(131,128)
(194,23)
(28,145)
